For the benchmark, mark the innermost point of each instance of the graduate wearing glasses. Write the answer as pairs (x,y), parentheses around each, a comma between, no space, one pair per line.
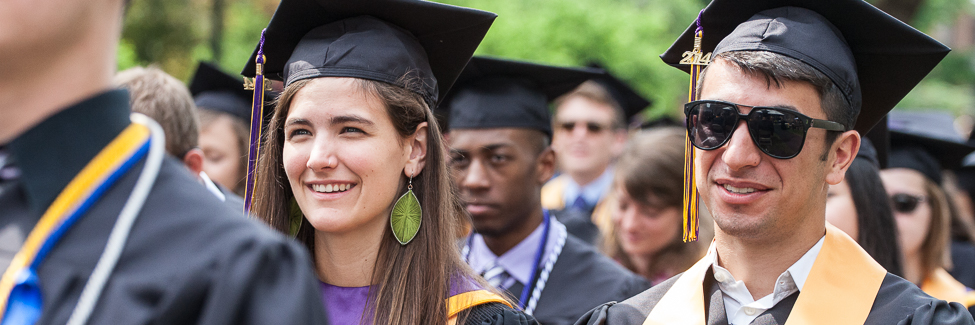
(776,119)
(922,145)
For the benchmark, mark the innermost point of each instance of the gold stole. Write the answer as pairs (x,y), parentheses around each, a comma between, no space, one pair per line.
(462,301)
(840,289)
(941,285)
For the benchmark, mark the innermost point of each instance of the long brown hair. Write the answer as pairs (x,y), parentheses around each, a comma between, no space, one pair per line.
(411,282)
(935,250)
(652,165)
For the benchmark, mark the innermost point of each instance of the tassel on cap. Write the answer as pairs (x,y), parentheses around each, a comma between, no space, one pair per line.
(697,60)
(257,118)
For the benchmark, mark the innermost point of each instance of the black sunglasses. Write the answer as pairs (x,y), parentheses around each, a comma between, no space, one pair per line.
(778,132)
(905,203)
(592,127)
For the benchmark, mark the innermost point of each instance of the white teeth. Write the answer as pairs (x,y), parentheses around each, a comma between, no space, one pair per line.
(736,190)
(330,188)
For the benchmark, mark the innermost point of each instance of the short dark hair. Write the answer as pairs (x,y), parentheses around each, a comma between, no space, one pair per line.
(877,229)
(776,68)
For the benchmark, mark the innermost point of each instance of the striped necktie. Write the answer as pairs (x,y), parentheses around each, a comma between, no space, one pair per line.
(496,275)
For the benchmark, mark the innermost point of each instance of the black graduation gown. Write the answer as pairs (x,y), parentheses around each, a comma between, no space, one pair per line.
(188,260)
(581,279)
(898,302)
(963,261)
(578,223)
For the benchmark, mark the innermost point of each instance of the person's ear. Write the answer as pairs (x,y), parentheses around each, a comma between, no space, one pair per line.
(545,166)
(193,160)
(841,156)
(418,150)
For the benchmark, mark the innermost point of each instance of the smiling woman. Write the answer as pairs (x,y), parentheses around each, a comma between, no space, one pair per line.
(351,133)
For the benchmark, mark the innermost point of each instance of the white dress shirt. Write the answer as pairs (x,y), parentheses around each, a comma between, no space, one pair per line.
(739,305)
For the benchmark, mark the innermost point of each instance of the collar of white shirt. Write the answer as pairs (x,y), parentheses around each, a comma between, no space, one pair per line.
(592,192)
(739,305)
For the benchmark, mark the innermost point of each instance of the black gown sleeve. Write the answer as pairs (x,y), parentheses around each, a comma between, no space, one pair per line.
(596,316)
(939,312)
(269,282)
(497,314)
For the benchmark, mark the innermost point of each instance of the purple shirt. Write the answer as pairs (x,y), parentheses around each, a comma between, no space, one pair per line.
(345,305)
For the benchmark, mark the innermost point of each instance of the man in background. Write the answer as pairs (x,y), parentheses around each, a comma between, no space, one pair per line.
(165,99)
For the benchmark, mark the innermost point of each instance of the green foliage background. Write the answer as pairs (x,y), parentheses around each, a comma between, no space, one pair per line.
(626,36)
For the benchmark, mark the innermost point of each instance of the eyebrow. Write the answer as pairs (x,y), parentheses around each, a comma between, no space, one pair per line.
(490,147)
(334,120)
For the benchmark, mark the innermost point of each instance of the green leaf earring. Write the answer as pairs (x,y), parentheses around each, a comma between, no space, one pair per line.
(294,218)
(406,216)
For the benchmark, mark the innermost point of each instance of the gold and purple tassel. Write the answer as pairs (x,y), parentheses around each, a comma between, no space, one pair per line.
(697,60)
(257,119)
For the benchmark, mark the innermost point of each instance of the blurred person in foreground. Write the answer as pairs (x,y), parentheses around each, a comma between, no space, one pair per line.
(776,119)
(167,101)
(119,232)
(922,145)
(647,218)
(859,206)
(499,131)
(589,132)
(224,108)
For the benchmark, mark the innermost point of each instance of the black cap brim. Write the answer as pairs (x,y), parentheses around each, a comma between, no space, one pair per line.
(891,56)
(215,90)
(628,98)
(497,93)
(448,34)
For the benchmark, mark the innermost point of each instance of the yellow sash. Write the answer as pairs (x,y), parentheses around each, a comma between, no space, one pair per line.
(941,285)
(840,289)
(463,301)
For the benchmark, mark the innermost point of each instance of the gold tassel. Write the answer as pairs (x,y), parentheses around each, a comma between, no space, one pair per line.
(697,60)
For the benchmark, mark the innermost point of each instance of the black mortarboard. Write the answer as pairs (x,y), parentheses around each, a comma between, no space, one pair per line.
(872,57)
(868,152)
(926,142)
(215,90)
(631,102)
(499,93)
(381,40)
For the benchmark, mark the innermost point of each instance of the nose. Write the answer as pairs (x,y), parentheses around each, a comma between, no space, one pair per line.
(579,129)
(476,177)
(740,152)
(322,155)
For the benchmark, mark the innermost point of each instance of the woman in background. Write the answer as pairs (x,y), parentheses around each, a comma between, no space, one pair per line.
(647,218)
(859,206)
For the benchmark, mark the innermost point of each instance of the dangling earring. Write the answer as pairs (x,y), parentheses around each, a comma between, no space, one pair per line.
(406,216)
(295,218)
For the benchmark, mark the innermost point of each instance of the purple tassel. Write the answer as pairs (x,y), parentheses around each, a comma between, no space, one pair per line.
(257,119)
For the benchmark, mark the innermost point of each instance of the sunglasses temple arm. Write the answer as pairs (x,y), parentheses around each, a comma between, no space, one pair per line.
(827,125)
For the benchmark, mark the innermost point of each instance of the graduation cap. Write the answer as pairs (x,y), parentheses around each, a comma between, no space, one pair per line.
(873,58)
(926,142)
(418,45)
(500,93)
(629,100)
(379,40)
(215,90)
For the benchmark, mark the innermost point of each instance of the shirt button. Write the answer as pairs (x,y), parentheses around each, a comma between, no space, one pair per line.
(749,311)
(720,277)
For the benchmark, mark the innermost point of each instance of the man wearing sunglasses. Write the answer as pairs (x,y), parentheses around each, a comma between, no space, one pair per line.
(791,86)
(589,133)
